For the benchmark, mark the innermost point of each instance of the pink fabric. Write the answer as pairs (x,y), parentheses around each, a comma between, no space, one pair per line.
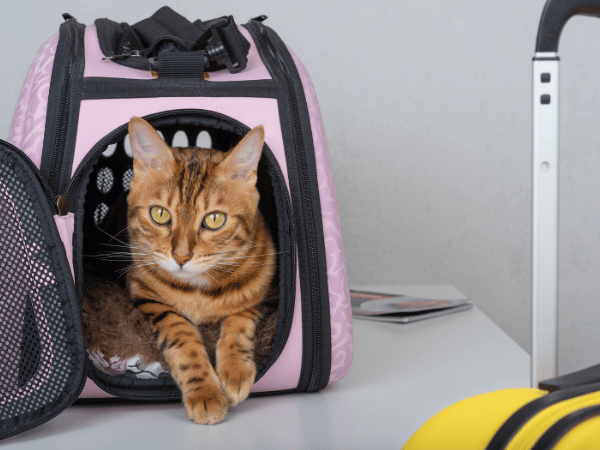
(95,66)
(342,345)
(65,225)
(91,390)
(99,117)
(29,120)
(285,372)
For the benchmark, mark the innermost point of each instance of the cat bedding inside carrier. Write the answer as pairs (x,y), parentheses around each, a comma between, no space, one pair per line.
(124,348)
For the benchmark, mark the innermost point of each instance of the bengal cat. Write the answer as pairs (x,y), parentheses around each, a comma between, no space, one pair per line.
(201,253)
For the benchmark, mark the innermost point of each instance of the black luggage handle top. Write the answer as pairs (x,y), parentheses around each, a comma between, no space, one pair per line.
(554,17)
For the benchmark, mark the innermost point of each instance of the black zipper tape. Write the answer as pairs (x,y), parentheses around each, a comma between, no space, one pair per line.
(39,190)
(64,101)
(75,193)
(300,155)
(515,422)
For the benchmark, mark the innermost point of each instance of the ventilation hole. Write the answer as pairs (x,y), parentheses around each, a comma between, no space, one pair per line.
(203,140)
(127,145)
(110,150)
(180,139)
(127,177)
(100,212)
(162,136)
(105,180)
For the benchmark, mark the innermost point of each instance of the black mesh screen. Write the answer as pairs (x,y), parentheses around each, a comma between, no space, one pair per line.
(30,346)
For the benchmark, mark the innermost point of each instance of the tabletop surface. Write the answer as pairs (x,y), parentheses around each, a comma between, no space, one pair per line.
(401,375)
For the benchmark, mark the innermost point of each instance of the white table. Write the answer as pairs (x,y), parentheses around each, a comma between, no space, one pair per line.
(401,375)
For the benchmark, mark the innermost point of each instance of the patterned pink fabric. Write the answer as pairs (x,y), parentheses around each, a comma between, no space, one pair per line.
(342,345)
(29,120)
(22,278)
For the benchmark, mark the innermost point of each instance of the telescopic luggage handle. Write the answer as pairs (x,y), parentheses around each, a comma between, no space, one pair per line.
(554,17)
(544,274)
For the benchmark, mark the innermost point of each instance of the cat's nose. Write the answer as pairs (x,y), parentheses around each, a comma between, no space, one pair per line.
(181,259)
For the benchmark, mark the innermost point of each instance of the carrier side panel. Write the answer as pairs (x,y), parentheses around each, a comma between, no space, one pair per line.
(339,296)
(29,120)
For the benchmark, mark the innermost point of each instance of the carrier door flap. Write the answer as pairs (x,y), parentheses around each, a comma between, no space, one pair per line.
(41,338)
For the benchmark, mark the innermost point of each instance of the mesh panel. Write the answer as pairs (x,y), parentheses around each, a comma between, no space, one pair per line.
(30,347)
(34,359)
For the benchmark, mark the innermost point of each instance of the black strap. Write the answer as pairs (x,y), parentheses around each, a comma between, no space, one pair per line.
(181,65)
(557,431)
(515,422)
(168,31)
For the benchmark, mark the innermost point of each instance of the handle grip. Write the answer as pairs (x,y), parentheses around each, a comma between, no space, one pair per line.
(554,17)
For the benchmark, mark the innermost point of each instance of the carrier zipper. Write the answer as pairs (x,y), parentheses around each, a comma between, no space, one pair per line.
(63,115)
(53,200)
(72,189)
(126,396)
(39,422)
(315,292)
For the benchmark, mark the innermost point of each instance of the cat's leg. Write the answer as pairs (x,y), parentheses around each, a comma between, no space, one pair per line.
(235,355)
(182,347)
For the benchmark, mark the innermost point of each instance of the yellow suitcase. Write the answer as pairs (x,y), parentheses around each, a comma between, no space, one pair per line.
(565,412)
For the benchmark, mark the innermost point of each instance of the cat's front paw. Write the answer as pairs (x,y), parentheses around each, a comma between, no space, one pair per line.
(206,405)
(236,380)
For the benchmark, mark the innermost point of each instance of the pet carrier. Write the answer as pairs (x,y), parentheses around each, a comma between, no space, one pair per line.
(68,160)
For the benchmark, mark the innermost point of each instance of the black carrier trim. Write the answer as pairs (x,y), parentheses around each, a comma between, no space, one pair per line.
(64,101)
(300,158)
(95,88)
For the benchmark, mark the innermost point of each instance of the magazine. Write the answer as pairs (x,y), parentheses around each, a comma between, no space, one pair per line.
(401,308)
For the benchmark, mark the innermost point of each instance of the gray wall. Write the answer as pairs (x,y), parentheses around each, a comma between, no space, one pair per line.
(427,108)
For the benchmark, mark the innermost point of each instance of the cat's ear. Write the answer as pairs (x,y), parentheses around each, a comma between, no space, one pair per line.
(148,149)
(242,162)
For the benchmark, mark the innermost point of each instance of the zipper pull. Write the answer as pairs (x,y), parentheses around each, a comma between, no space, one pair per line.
(260,18)
(62,204)
(131,54)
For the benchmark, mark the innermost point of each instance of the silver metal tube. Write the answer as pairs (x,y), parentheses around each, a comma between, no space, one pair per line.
(544,295)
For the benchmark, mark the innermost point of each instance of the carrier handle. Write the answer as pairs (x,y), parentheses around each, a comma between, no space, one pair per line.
(554,17)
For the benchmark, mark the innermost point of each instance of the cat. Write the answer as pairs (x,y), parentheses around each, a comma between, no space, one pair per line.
(203,261)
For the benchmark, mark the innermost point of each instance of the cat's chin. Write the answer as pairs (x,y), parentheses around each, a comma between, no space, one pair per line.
(193,279)
(190,277)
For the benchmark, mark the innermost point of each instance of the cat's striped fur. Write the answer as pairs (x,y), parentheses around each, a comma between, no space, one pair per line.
(185,273)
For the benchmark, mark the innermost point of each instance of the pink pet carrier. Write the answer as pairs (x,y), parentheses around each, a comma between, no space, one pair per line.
(68,161)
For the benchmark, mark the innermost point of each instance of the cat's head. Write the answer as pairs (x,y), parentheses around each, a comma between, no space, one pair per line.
(191,211)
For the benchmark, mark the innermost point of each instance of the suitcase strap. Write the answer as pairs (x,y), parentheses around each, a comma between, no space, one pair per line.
(527,425)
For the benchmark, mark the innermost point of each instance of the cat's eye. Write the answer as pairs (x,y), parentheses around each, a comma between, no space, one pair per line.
(214,221)
(160,215)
